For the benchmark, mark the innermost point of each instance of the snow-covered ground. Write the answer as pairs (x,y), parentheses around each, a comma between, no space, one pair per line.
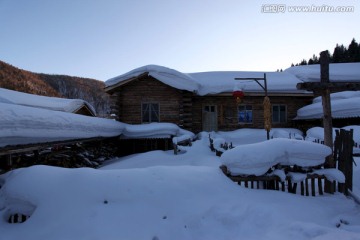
(159,195)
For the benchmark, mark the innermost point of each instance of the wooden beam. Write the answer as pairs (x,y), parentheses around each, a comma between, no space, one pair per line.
(327,118)
(333,86)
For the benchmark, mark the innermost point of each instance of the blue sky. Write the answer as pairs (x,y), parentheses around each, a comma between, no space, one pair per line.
(104,38)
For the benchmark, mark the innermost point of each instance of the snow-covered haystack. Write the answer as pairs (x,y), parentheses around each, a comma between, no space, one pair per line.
(258,158)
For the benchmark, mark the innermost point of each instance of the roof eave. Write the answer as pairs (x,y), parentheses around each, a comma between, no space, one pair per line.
(111,89)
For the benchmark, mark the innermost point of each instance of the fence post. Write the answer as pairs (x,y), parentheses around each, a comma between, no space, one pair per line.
(343,153)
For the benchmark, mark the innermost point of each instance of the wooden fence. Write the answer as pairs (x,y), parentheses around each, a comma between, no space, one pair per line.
(313,183)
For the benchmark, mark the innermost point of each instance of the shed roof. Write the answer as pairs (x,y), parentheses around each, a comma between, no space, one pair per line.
(51,103)
(343,105)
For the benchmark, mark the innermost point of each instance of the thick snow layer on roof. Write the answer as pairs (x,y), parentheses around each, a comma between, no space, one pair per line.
(155,130)
(258,158)
(28,125)
(166,75)
(337,72)
(52,103)
(340,95)
(343,105)
(25,125)
(218,82)
(214,82)
(342,108)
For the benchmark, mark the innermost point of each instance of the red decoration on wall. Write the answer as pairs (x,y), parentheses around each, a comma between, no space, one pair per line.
(238,94)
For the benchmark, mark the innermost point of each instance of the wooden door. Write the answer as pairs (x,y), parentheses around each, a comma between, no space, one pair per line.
(210,118)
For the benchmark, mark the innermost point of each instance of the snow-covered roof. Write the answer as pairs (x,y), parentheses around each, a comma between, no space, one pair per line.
(31,119)
(166,75)
(30,125)
(343,105)
(51,103)
(337,72)
(20,125)
(204,83)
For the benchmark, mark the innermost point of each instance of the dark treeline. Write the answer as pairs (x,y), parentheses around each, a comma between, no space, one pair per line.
(341,54)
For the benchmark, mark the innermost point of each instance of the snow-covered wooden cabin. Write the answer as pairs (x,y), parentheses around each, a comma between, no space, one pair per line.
(77,106)
(204,101)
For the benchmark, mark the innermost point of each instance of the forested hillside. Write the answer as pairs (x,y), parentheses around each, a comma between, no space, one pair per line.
(64,86)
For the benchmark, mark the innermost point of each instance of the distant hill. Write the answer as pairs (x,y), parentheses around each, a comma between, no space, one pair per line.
(90,90)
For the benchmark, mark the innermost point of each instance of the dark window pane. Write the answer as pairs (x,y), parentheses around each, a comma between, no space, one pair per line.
(150,112)
(245,114)
(154,113)
(279,114)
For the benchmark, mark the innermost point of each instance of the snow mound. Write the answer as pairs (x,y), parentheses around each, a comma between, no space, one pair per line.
(282,133)
(317,133)
(332,174)
(258,158)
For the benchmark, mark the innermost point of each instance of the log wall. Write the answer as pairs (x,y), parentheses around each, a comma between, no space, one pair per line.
(185,108)
(126,103)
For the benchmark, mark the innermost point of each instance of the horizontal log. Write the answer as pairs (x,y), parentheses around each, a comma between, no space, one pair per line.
(332,86)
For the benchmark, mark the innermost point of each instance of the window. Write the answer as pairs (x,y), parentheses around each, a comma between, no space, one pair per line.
(279,114)
(150,112)
(209,108)
(245,114)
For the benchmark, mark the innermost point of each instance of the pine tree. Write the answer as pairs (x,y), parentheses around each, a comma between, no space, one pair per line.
(340,54)
(353,52)
(303,62)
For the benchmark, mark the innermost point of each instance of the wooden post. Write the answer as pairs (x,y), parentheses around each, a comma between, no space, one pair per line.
(9,162)
(327,118)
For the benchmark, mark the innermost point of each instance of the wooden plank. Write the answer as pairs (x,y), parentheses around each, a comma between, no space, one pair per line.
(307,187)
(313,187)
(294,188)
(320,186)
(302,188)
(333,86)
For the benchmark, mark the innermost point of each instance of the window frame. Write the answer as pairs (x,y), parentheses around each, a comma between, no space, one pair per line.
(150,106)
(246,111)
(279,113)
